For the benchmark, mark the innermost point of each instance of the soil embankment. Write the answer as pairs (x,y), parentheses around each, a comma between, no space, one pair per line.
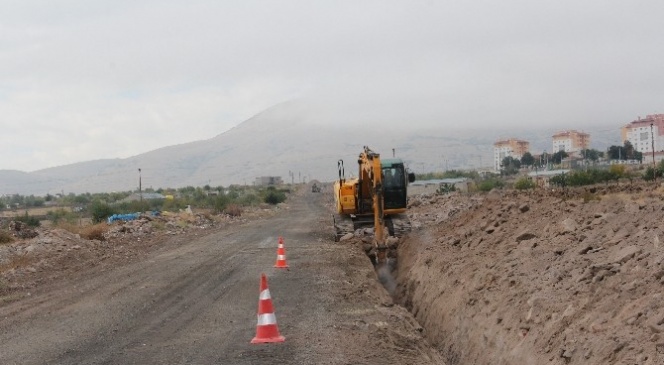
(539,278)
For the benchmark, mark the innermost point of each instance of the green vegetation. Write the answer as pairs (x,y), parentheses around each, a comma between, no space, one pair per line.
(625,152)
(527,159)
(31,221)
(449,174)
(524,183)
(594,176)
(489,184)
(510,165)
(651,173)
(274,196)
(69,208)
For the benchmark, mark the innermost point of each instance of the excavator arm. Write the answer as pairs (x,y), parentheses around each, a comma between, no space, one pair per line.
(370,168)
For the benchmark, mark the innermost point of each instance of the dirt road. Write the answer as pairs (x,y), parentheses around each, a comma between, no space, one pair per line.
(194,300)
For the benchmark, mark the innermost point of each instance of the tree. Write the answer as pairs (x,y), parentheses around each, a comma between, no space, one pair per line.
(510,165)
(592,154)
(527,159)
(616,153)
(558,157)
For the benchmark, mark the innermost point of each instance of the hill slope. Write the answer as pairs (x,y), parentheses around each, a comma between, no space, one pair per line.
(290,137)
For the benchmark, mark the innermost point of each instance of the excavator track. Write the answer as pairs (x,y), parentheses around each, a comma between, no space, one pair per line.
(398,225)
(343,225)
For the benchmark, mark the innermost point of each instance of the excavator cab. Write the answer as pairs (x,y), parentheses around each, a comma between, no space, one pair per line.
(395,181)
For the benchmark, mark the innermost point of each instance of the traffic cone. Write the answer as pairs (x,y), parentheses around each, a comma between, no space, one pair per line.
(266,330)
(281,255)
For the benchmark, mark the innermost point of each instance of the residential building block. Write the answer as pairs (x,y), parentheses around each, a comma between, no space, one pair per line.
(508,147)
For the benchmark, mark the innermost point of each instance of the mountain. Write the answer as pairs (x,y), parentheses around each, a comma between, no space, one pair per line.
(296,137)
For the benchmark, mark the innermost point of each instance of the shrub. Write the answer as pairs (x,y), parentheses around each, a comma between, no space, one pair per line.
(445,188)
(100,211)
(250,199)
(617,171)
(5,237)
(94,232)
(58,215)
(220,203)
(29,220)
(488,185)
(274,196)
(524,183)
(233,210)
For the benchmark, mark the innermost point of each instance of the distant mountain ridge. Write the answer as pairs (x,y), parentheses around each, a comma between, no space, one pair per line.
(289,137)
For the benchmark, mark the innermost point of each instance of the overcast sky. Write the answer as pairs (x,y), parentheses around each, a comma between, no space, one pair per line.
(83,80)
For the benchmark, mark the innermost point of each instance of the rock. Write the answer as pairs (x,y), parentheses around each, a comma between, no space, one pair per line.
(626,254)
(525,235)
(524,208)
(346,237)
(568,226)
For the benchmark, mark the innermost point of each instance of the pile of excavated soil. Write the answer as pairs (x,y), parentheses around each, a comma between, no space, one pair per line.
(570,277)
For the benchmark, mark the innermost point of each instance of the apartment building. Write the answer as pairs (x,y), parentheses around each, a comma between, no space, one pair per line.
(570,141)
(508,147)
(641,133)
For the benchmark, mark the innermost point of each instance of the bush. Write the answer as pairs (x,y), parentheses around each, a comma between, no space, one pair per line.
(94,232)
(220,203)
(445,188)
(5,237)
(524,183)
(233,210)
(59,215)
(29,220)
(100,211)
(273,196)
(250,199)
(488,185)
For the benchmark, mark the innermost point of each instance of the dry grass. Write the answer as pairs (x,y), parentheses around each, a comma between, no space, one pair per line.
(94,232)
(233,210)
(16,261)
(5,237)
(89,232)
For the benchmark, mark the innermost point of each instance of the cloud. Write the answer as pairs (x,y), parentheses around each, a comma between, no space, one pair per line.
(85,80)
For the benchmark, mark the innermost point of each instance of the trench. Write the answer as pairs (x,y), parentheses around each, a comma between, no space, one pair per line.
(446,328)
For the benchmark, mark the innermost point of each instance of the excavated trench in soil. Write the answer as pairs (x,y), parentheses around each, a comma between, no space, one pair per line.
(538,279)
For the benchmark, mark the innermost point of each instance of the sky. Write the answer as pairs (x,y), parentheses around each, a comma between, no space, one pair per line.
(84,80)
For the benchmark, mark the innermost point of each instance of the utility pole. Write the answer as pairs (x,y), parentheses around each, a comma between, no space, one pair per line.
(654,165)
(393,153)
(140,188)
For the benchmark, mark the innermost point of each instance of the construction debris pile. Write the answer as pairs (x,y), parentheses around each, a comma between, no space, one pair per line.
(58,251)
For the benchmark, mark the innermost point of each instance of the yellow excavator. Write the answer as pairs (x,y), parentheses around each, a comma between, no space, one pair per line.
(376,197)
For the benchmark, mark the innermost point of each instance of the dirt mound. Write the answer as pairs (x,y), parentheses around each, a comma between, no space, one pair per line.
(571,277)
(43,255)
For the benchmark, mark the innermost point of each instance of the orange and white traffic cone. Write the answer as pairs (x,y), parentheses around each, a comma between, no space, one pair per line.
(266,330)
(281,255)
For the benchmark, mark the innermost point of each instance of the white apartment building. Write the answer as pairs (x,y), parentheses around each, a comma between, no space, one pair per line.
(570,141)
(642,133)
(508,147)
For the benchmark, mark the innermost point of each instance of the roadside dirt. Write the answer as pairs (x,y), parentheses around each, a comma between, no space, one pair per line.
(189,296)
